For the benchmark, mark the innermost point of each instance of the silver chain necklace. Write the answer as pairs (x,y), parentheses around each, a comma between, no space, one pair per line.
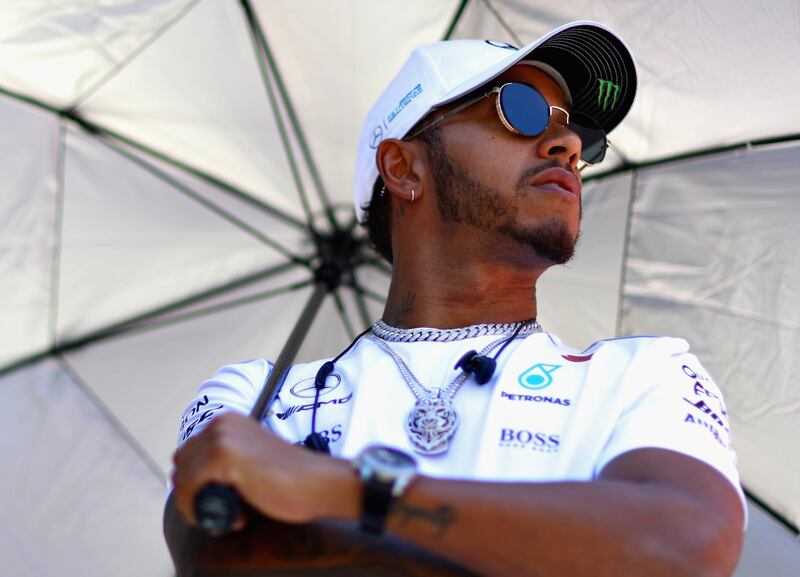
(433,421)
(392,334)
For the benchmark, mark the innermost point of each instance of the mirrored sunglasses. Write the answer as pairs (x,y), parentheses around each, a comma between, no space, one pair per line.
(523,110)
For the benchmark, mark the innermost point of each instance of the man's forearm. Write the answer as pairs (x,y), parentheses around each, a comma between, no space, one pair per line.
(266,548)
(597,529)
(653,511)
(493,529)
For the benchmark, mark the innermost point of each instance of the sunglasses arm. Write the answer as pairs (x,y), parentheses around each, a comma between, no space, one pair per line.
(446,115)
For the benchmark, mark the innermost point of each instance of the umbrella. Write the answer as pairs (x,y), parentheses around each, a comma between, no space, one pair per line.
(176,187)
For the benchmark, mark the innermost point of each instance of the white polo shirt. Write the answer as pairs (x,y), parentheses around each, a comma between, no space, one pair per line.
(549,413)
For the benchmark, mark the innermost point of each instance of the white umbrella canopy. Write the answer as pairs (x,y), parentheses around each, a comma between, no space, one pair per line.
(173,170)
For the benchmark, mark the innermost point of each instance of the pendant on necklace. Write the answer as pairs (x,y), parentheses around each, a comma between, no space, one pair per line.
(431,424)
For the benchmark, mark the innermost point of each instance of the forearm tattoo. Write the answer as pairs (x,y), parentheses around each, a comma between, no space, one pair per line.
(441,517)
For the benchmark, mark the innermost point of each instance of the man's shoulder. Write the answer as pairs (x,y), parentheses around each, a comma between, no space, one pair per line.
(627,346)
(641,343)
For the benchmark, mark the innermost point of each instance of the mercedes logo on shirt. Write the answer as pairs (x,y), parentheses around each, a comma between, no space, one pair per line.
(305,388)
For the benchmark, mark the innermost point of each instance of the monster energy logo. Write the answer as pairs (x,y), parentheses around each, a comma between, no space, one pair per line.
(607,91)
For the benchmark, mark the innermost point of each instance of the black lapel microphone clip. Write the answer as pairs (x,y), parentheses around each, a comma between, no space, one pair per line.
(481,366)
(315,441)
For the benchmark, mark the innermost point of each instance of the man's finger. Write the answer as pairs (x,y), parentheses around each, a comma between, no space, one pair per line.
(193,471)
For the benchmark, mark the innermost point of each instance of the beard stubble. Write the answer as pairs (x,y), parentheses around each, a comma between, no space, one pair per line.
(463,199)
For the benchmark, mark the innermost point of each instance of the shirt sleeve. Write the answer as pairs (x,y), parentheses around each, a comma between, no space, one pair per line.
(671,402)
(233,388)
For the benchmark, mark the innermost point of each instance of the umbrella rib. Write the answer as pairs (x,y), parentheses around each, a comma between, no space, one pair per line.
(287,146)
(200,199)
(261,296)
(370,294)
(780,518)
(226,187)
(379,265)
(348,326)
(746,145)
(211,293)
(456,19)
(261,41)
(358,295)
(351,226)
(150,318)
(58,228)
(622,156)
(133,322)
(112,420)
(502,22)
(133,54)
(30,100)
(222,185)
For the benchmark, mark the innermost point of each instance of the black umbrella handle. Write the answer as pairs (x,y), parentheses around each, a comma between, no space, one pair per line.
(217,508)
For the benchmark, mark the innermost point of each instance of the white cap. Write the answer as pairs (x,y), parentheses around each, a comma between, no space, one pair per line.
(592,63)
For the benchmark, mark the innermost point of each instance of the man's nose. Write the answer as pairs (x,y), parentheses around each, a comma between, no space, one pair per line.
(559,142)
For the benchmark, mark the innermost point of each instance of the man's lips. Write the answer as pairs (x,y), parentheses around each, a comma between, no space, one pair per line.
(559,177)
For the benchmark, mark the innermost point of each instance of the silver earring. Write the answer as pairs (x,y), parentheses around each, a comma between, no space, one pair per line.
(412,196)
(383,190)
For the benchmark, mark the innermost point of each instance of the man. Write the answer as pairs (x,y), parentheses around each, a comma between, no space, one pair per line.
(528,457)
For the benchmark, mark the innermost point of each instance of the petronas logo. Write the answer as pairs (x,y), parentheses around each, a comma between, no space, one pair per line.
(538,376)
(607,94)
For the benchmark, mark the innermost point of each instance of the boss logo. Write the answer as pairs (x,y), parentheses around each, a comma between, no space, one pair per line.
(524,439)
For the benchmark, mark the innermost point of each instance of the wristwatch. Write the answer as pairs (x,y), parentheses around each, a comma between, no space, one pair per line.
(385,474)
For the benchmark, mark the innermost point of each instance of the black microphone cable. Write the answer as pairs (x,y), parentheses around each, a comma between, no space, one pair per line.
(315,441)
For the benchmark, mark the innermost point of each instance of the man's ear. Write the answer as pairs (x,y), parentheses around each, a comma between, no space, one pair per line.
(401,165)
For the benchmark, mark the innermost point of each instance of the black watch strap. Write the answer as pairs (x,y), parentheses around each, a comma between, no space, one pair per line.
(375,507)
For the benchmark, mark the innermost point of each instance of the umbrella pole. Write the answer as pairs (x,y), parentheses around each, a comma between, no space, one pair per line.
(217,507)
(289,352)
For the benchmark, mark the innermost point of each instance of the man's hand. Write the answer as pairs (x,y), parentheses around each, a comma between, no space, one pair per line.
(285,482)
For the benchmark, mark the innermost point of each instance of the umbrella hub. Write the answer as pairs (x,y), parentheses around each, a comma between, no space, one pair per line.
(338,253)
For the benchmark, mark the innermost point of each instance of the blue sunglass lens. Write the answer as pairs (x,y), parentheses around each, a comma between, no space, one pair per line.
(593,138)
(528,112)
(524,108)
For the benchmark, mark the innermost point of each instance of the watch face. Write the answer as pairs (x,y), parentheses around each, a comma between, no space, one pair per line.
(391,458)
